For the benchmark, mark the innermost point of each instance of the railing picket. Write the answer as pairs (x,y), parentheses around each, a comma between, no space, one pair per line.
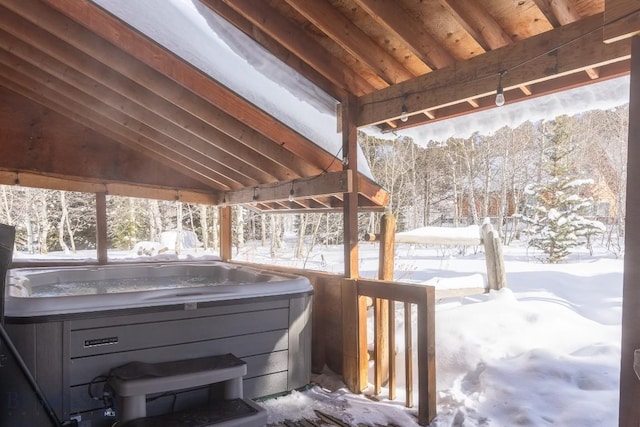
(377,350)
(408,354)
(392,350)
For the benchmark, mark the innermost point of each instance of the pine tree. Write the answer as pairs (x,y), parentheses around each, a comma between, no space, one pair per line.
(558,224)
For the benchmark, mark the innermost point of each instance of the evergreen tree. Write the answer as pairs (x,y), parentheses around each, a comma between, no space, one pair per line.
(558,223)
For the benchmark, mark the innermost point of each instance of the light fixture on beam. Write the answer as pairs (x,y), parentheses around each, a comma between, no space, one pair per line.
(500,91)
(404,113)
(291,192)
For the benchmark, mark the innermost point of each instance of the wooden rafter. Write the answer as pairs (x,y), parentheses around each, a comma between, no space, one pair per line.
(479,23)
(352,39)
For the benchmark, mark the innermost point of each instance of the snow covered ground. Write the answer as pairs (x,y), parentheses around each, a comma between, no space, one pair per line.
(545,351)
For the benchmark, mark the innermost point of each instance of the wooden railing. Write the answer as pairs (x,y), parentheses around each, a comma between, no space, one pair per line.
(424,298)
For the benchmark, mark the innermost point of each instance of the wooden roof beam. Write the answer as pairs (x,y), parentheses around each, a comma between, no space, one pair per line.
(478,23)
(324,184)
(352,39)
(32,180)
(565,50)
(267,20)
(410,30)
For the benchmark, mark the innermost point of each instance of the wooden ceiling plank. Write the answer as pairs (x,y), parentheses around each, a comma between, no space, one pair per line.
(410,30)
(478,23)
(128,97)
(61,95)
(264,17)
(234,109)
(351,38)
(565,50)
(192,123)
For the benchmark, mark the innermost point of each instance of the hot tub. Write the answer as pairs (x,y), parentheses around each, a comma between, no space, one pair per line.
(73,324)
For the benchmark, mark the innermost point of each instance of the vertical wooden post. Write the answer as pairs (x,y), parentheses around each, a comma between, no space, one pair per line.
(101,227)
(384,351)
(354,311)
(629,383)
(350,210)
(354,337)
(427,357)
(225,233)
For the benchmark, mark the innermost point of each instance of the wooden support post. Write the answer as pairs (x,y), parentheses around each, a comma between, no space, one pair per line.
(629,384)
(350,210)
(354,351)
(225,233)
(383,350)
(354,332)
(101,228)
(427,357)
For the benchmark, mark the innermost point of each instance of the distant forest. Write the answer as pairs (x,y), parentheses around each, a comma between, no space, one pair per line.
(453,182)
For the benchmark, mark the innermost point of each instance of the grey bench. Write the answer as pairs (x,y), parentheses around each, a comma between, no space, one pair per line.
(133,381)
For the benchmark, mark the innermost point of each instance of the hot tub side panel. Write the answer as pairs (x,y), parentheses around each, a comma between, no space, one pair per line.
(273,336)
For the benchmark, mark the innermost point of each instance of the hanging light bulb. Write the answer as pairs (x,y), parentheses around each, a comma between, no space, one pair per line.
(500,91)
(404,116)
(291,193)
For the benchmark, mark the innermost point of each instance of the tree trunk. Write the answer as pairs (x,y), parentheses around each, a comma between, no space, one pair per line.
(204,226)
(43,222)
(64,215)
(239,228)
(178,244)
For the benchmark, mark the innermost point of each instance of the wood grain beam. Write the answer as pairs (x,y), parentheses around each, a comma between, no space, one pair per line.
(224,107)
(569,49)
(324,184)
(478,23)
(267,20)
(86,185)
(621,19)
(408,28)
(352,39)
